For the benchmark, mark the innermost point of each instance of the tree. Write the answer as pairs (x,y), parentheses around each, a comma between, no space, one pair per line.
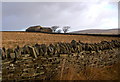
(66,28)
(54,28)
(59,31)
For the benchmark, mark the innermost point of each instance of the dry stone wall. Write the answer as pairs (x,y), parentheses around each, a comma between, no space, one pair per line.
(57,49)
(42,61)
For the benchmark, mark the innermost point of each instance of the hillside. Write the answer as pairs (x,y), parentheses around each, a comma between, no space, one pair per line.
(98,31)
(12,39)
(59,61)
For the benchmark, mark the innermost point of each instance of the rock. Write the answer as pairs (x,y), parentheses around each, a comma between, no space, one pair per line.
(37,51)
(25,75)
(12,55)
(82,56)
(42,72)
(11,65)
(41,53)
(62,48)
(9,50)
(66,48)
(57,48)
(3,53)
(17,53)
(36,74)
(29,66)
(50,59)
(44,49)
(50,49)
(32,52)
(29,70)
(73,44)
(92,65)
(39,70)
(27,55)
(25,50)
(57,61)
(4,49)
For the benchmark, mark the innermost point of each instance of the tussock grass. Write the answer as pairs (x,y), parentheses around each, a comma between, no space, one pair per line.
(105,73)
(12,39)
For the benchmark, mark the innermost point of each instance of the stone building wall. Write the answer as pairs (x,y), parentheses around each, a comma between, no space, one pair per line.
(39,29)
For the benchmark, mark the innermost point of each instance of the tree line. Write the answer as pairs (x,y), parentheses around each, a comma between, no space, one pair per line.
(65,29)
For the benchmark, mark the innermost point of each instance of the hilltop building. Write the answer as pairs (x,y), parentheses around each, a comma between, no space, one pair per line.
(39,29)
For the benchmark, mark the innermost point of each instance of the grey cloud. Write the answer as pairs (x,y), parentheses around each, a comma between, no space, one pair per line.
(0,18)
(19,15)
(119,15)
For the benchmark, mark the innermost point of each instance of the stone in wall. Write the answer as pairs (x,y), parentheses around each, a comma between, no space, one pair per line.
(17,52)
(3,53)
(44,49)
(50,50)
(9,51)
(25,50)
(32,51)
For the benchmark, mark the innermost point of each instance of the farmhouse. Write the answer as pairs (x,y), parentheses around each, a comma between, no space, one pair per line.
(39,29)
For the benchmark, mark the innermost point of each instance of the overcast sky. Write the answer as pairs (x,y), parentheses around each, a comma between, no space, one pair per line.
(17,16)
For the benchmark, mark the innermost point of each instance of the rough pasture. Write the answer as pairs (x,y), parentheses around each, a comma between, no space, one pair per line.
(12,39)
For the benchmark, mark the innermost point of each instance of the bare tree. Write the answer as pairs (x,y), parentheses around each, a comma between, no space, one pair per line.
(66,28)
(54,28)
(59,31)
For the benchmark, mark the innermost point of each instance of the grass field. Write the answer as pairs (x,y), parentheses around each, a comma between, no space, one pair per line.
(106,73)
(12,39)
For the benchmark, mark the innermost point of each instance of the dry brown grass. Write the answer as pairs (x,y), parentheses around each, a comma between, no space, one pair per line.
(105,73)
(12,39)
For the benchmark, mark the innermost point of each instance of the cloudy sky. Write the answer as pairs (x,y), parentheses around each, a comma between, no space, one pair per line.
(17,16)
